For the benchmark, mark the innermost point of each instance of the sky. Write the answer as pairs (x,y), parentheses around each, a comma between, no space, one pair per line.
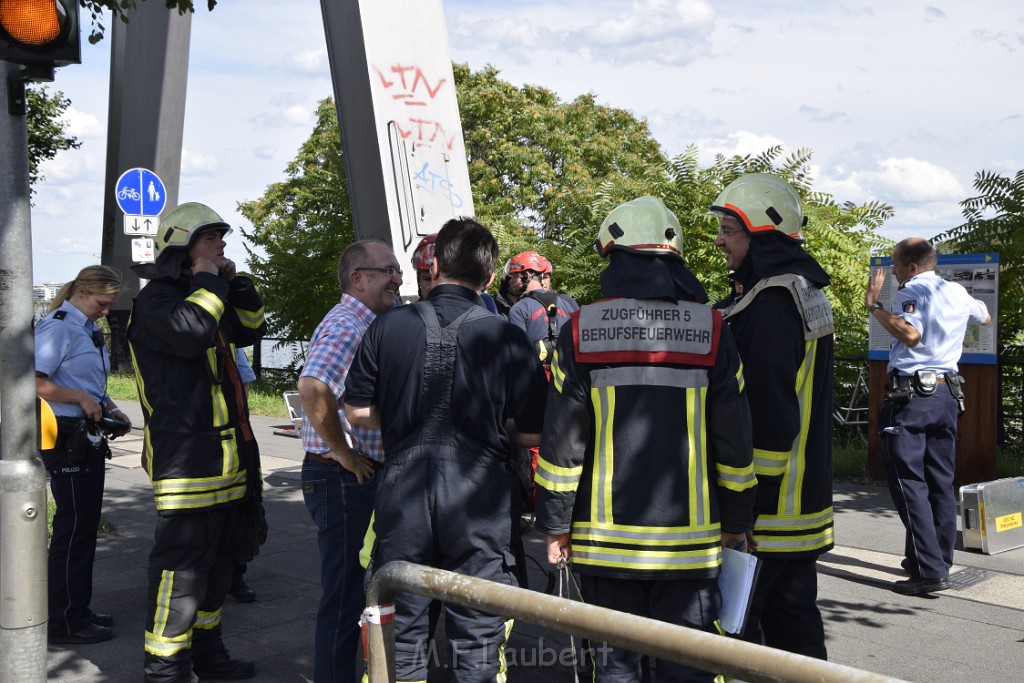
(901,102)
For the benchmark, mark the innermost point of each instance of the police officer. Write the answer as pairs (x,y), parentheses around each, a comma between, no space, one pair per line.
(200,451)
(783,327)
(71,373)
(926,322)
(646,460)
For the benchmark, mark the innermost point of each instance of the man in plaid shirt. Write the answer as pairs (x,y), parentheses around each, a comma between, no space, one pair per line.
(338,482)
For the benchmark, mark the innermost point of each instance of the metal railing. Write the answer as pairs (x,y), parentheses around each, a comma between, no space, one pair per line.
(752,663)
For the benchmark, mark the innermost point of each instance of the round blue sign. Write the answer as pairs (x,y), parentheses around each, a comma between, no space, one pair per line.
(140,192)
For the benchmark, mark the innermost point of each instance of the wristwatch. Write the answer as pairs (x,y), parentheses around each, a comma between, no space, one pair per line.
(875,307)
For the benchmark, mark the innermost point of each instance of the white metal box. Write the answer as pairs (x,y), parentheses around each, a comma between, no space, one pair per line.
(992,514)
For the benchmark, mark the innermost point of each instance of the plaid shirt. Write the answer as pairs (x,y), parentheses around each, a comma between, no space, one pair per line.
(328,359)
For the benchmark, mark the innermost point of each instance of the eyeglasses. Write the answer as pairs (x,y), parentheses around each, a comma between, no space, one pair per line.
(389,271)
(729,232)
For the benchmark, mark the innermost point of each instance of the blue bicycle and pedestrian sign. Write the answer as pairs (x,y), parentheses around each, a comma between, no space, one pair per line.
(140,192)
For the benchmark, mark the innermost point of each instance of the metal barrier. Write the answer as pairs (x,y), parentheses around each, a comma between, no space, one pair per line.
(752,663)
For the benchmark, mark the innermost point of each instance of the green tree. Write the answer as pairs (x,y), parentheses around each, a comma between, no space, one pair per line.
(994,221)
(47,129)
(300,227)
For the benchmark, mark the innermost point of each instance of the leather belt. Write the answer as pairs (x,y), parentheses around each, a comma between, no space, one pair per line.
(904,381)
(316,457)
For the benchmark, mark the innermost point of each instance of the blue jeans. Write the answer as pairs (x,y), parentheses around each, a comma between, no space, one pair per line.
(341,509)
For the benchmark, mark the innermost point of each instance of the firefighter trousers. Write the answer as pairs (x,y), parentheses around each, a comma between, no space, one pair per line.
(190,570)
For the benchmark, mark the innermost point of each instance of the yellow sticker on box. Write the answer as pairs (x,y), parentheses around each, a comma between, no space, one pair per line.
(1007,522)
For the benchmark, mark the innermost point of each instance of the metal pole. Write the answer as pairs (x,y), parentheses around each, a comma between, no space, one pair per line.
(22,477)
(752,663)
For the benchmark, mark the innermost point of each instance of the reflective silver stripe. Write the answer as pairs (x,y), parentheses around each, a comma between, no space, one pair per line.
(198,483)
(603,399)
(207,620)
(701,501)
(793,477)
(197,501)
(650,375)
(775,522)
(736,478)
(208,301)
(555,478)
(770,462)
(794,543)
(650,560)
(165,647)
(648,326)
(583,531)
(251,319)
(163,601)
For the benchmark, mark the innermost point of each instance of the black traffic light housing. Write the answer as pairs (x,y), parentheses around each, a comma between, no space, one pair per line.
(40,34)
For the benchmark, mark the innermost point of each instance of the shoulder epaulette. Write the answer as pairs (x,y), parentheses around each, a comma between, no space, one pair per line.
(60,315)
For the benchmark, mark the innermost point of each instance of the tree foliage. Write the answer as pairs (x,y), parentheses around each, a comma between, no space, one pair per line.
(47,129)
(120,9)
(994,221)
(300,227)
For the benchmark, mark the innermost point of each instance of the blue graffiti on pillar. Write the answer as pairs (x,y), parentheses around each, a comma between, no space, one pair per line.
(435,183)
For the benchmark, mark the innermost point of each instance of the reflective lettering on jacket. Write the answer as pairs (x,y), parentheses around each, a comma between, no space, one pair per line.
(646,331)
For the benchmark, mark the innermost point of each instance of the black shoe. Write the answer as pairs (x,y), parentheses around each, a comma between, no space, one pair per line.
(240,591)
(222,667)
(920,586)
(90,634)
(101,619)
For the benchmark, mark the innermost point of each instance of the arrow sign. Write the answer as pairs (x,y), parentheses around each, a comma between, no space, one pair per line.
(140,192)
(141,225)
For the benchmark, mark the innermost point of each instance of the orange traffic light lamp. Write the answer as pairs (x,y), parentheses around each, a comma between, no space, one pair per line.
(40,34)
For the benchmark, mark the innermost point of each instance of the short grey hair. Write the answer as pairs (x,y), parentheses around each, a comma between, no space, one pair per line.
(355,256)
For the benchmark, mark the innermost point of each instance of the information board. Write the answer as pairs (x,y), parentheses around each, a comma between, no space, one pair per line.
(979,275)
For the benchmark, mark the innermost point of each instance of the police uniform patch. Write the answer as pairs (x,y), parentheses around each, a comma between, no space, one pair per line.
(910,307)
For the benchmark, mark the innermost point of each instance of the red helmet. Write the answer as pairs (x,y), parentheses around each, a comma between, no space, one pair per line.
(529,260)
(424,254)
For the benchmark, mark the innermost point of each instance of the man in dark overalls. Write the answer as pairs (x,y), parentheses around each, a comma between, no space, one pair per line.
(438,378)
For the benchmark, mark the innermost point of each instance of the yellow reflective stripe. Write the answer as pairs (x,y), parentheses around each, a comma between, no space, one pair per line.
(777,544)
(793,477)
(739,378)
(697,466)
(736,478)
(219,403)
(197,484)
(603,400)
(624,534)
(555,478)
(163,602)
(502,675)
(207,620)
(161,646)
(199,500)
(770,462)
(208,301)
(251,319)
(557,374)
(704,558)
(794,523)
(229,457)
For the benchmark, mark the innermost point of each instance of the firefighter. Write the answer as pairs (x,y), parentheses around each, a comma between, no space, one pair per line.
(199,450)
(422,257)
(783,327)
(540,310)
(646,462)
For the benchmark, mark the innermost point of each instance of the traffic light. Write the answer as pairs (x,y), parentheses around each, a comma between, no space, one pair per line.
(41,34)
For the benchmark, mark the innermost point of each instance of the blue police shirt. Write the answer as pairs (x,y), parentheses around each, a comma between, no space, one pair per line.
(67,356)
(939,311)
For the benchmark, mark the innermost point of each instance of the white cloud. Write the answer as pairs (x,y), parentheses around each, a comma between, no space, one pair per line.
(743,142)
(264,151)
(909,180)
(70,166)
(312,61)
(84,125)
(194,163)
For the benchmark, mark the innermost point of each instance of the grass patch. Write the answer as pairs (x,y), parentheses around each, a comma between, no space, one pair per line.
(264,397)
(1009,463)
(850,459)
